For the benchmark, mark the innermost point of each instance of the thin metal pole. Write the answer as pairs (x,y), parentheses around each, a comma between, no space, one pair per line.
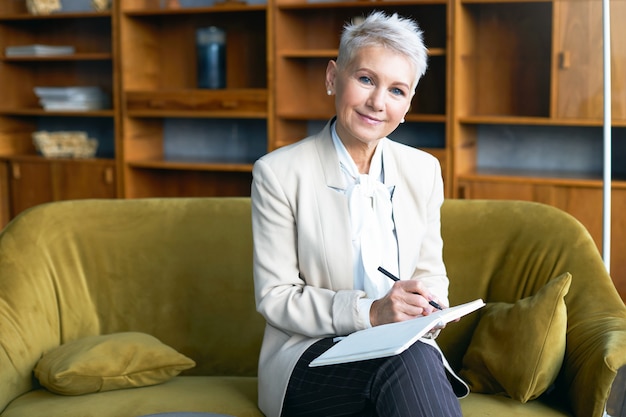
(606,218)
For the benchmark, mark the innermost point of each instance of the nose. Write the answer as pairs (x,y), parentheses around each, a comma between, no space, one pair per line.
(376,99)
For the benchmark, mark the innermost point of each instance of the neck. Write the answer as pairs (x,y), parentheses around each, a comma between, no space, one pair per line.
(361,154)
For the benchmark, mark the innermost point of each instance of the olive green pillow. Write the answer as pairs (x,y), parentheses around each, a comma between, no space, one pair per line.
(518,349)
(109,362)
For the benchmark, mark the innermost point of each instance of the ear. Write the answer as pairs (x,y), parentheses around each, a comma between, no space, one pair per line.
(331,75)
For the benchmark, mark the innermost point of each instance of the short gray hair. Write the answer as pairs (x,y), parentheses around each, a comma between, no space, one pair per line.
(399,34)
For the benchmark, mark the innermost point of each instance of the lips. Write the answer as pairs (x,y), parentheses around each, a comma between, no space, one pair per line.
(370,119)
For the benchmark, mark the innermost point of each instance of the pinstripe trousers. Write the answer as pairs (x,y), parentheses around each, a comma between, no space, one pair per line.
(411,384)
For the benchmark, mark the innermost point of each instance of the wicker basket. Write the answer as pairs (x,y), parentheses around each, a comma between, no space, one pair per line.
(65,144)
(43,7)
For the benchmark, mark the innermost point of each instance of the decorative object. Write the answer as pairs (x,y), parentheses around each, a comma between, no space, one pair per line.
(76,98)
(65,144)
(39,50)
(43,7)
(211,47)
(101,5)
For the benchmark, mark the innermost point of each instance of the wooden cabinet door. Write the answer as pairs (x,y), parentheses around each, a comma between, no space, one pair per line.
(36,182)
(31,184)
(83,179)
(578,60)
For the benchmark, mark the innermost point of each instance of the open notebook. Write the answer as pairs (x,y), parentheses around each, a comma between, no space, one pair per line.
(390,339)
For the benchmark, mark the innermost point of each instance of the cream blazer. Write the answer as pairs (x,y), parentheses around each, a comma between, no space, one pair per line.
(302,250)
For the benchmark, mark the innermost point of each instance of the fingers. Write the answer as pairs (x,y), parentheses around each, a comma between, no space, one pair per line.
(406,300)
(414,293)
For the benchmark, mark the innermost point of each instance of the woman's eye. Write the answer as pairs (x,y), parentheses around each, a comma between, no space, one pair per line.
(365,80)
(397,92)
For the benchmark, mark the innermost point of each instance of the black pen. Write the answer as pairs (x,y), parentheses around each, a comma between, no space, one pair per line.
(395,278)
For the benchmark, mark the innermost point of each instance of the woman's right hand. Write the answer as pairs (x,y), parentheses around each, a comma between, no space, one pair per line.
(406,300)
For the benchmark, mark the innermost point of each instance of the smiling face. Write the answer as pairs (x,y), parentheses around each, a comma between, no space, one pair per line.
(373,94)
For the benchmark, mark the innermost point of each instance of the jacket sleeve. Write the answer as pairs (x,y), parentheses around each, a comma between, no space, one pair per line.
(287,297)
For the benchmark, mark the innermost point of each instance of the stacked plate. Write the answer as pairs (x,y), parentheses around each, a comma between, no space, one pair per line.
(72,98)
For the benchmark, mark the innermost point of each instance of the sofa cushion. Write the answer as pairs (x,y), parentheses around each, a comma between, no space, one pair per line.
(109,362)
(235,396)
(518,349)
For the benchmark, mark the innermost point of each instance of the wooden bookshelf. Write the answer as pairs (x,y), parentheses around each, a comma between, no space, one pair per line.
(511,103)
(29,178)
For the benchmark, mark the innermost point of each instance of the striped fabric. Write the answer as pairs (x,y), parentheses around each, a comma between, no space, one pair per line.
(412,384)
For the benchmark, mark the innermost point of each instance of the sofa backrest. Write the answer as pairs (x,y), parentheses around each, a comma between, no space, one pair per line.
(178,269)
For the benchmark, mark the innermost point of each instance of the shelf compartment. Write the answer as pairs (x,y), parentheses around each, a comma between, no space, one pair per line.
(298,26)
(301,88)
(507,74)
(154,8)
(16,133)
(15,136)
(155,181)
(21,78)
(88,33)
(552,151)
(195,142)
(240,103)
(431,92)
(421,135)
(154,46)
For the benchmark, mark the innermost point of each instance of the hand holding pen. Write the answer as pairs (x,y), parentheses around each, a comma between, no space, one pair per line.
(395,278)
(406,300)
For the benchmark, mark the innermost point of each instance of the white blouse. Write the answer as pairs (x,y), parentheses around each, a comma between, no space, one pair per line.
(374,240)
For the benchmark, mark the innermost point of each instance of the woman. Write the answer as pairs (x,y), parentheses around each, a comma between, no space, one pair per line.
(327,212)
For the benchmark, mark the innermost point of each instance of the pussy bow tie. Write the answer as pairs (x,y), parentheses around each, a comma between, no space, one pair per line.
(371,212)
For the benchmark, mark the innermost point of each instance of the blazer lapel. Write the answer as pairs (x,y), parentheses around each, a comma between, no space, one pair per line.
(402,215)
(333,212)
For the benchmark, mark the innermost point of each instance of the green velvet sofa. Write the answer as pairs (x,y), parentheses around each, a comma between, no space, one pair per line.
(121,308)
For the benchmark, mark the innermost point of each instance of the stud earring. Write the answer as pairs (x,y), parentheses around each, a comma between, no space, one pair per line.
(329,92)
(402,121)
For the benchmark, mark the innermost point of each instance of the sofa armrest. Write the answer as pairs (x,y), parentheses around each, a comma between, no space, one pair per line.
(595,354)
(616,405)
(37,290)
(507,250)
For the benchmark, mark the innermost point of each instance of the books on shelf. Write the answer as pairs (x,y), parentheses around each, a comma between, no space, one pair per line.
(391,339)
(38,50)
(72,98)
